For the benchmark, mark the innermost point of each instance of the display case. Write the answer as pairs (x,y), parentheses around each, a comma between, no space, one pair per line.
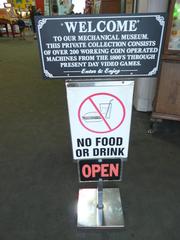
(167,100)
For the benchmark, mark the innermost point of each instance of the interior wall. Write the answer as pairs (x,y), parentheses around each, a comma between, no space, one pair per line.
(145,88)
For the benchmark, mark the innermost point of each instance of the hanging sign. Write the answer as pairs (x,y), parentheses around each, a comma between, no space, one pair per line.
(94,170)
(100,117)
(100,45)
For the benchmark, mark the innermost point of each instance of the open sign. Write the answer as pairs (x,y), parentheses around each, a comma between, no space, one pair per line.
(93,170)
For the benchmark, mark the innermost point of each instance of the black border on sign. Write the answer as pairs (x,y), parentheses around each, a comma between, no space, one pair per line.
(154,72)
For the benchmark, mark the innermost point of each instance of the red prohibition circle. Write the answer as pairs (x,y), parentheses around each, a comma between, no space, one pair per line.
(89,99)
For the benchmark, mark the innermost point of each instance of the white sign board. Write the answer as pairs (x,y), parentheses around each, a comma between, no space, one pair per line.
(100,118)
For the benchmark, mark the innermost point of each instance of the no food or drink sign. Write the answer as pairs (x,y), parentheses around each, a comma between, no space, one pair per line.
(100,117)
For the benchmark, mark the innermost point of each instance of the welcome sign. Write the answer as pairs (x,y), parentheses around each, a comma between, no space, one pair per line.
(100,46)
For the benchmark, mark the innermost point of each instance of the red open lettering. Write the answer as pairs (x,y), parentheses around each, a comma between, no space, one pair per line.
(100,170)
(86,171)
(96,168)
(114,170)
(105,170)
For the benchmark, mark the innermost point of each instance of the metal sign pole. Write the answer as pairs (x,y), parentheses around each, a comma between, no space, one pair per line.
(100,203)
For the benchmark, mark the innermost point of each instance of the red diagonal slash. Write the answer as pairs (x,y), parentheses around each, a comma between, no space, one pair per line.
(103,118)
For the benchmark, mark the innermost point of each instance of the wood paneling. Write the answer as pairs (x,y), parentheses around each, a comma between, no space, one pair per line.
(168,94)
(112,6)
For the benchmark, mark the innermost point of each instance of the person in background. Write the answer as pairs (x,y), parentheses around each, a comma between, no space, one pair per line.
(32,14)
(54,10)
(63,9)
(38,12)
(71,9)
(22,26)
(1,33)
